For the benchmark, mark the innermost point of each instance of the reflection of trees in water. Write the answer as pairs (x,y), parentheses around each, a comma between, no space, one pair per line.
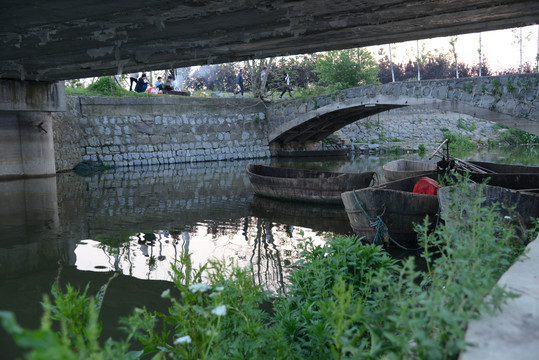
(265,258)
(269,248)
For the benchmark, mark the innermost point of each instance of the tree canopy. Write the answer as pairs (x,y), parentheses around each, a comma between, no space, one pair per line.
(347,68)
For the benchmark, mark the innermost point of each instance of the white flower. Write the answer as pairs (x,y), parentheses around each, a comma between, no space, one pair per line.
(200,287)
(166,293)
(219,288)
(219,310)
(183,340)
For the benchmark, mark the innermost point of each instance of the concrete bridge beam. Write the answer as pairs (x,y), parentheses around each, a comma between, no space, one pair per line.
(26,134)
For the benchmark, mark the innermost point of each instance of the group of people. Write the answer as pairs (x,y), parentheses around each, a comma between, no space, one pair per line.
(142,83)
(286,85)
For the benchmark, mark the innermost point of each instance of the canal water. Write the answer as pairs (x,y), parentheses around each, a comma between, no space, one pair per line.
(137,222)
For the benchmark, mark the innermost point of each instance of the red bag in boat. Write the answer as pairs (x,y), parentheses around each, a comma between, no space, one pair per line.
(427,186)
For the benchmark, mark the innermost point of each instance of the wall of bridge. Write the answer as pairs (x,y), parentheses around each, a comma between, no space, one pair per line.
(511,100)
(135,131)
(418,124)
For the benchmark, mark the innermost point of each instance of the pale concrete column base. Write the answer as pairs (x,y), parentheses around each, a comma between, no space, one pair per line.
(26,134)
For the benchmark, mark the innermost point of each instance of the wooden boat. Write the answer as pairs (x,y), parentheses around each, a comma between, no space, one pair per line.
(499,168)
(402,168)
(305,185)
(344,152)
(504,175)
(525,204)
(389,211)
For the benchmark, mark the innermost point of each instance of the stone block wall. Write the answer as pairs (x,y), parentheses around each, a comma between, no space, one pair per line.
(419,124)
(158,130)
(67,135)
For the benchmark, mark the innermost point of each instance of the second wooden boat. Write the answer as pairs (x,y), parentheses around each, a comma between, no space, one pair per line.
(519,206)
(305,185)
(390,211)
(403,168)
(496,174)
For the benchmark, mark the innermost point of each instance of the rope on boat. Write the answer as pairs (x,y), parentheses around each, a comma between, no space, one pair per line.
(381,228)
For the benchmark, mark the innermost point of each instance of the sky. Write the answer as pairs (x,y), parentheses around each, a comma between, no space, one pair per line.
(500,48)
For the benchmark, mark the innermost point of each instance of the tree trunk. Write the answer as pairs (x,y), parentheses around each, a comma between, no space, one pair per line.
(418,62)
(391,64)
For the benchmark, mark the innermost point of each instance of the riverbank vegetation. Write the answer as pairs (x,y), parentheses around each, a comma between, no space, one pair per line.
(345,300)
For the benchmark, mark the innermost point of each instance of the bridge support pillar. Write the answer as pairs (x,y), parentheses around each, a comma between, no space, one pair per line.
(26,134)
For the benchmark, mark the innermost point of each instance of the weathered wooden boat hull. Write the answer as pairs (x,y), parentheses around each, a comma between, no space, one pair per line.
(397,206)
(506,168)
(526,204)
(315,153)
(305,185)
(402,168)
(504,175)
(518,181)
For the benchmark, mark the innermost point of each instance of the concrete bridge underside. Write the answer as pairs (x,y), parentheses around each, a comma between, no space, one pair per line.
(63,39)
(317,125)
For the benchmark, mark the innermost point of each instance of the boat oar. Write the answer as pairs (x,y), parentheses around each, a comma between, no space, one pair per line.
(438,149)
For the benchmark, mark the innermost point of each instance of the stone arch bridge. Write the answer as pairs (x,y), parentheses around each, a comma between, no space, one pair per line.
(510,100)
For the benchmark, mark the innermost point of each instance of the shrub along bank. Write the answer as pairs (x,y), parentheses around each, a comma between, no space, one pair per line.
(346,300)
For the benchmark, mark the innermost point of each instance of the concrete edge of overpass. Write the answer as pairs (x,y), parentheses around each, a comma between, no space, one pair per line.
(512,332)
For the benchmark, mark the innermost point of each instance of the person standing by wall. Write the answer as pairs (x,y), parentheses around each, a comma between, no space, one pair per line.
(286,86)
(133,78)
(239,81)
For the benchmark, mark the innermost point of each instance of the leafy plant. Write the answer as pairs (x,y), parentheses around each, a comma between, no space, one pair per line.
(107,85)
(459,142)
(496,86)
(510,87)
(518,137)
(466,125)
(347,68)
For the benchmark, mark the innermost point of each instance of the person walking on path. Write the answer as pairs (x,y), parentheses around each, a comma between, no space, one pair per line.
(133,77)
(286,86)
(239,81)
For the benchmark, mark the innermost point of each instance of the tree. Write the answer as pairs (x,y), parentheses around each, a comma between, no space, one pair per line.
(452,42)
(347,68)
(255,69)
(480,52)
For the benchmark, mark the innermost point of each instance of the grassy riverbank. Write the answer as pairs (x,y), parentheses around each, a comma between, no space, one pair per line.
(345,300)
